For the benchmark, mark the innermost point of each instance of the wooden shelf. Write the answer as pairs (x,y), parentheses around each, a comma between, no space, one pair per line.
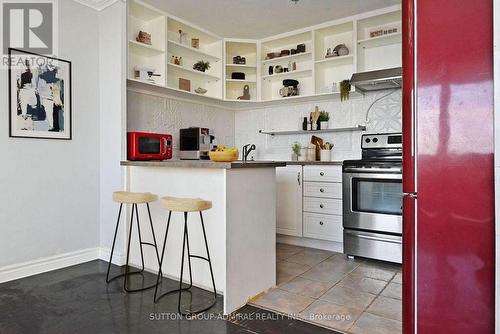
(277,59)
(334,59)
(191,52)
(381,40)
(302,132)
(147,49)
(199,74)
(287,74)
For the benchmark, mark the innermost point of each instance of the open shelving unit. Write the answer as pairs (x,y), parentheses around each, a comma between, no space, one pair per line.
(233,88)
(318,75)
(380,52)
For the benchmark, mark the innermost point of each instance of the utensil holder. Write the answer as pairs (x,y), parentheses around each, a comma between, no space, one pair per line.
(326,155)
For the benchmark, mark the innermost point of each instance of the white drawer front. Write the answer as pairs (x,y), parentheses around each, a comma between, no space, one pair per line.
(323,205)
(323,173)
(325,190)
(323,227)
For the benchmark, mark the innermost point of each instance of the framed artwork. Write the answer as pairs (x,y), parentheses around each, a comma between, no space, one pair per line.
(39,96)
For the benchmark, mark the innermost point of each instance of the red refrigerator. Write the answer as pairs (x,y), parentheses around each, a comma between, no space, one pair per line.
(448,175)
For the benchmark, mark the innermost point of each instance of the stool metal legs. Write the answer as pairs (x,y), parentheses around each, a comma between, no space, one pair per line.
(185,243)
(141,243)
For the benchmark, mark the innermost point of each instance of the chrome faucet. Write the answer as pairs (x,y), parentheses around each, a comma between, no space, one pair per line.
(246,151)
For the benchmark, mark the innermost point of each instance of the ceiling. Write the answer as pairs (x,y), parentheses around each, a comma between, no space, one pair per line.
(257,19)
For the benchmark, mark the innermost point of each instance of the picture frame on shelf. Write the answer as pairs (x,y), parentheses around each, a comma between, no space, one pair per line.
(39,96)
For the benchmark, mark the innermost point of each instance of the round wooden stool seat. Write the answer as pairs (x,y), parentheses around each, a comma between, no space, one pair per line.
(185,204)
(127,197)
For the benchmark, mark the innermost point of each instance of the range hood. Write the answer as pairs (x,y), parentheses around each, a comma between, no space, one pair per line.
(377,80)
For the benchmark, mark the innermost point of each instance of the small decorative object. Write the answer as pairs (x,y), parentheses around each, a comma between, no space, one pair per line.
(238,76)
(315,118)
(144,38)
(40,99)
(246,93)
(185,84)
(323,119)
(303,154)
(290,88)
(301,48)
(271,70)
(172,60)
(183,37)
(296,151)
(278,69)
(328,53)
(345,89)
(201,66)
(200,90)
(284,53)
(381,31)
(195,43)
(176,61)
(285,69)
(290,66)
(341,50)
(181,62)
(305,123)
(273,55)
(238,60)
(145,73)
(293,51)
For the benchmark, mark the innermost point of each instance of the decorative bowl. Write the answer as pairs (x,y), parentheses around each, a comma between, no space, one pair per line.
(200,90)
(223,156)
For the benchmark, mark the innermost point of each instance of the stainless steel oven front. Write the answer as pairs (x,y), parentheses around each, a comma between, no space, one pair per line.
(373,199)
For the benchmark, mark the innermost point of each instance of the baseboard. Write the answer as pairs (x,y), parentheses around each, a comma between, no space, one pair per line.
(118,258)
(311,243)
(38,266)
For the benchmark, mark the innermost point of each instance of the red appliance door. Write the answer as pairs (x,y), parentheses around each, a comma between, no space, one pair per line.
(409,150)
(454,168)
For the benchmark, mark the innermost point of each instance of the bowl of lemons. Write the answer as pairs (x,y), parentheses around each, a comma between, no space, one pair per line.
(224,154)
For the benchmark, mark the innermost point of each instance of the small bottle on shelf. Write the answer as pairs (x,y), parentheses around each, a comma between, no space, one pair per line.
(304,124)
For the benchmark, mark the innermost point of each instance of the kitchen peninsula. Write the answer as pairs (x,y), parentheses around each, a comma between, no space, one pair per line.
(241,226)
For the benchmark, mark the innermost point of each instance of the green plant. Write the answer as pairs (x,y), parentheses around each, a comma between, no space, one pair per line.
(324,116)
(296,148)
(345,89)
(201,66)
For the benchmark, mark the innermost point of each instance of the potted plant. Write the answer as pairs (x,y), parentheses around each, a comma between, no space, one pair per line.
(296,151)
(345,89)
(323,119)
(201,66)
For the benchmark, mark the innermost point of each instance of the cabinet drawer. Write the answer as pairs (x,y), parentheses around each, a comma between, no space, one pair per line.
(323,227)
(323,205)
(323,173)
(325,190)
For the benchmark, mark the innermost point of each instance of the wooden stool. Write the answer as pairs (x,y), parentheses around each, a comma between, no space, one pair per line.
(186,205)
(124,197)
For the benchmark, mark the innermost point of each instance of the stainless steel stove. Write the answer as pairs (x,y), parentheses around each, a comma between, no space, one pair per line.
(373,198)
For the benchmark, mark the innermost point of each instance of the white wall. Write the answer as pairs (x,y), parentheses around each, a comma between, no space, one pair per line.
(112,72)
(49,189)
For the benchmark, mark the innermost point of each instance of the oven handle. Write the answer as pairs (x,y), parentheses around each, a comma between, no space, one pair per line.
(369,237)
(372,170)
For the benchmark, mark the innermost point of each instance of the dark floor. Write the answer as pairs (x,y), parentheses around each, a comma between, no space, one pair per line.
(77,300)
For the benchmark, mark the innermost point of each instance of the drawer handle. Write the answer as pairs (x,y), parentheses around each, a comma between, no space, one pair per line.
(321,223)
(322,190)
(321,206)
(322,174)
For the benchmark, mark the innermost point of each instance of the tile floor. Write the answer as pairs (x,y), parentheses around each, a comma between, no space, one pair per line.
(328,289)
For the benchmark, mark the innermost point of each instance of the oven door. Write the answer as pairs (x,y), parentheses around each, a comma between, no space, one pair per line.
(372,200)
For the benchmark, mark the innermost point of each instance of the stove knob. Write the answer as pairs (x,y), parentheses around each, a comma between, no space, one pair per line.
(368,140)
(375,140)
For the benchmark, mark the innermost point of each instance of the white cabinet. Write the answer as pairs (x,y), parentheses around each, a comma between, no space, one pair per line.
(289,200)
(323,203)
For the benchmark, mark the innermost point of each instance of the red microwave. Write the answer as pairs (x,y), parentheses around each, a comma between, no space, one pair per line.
(149,146)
